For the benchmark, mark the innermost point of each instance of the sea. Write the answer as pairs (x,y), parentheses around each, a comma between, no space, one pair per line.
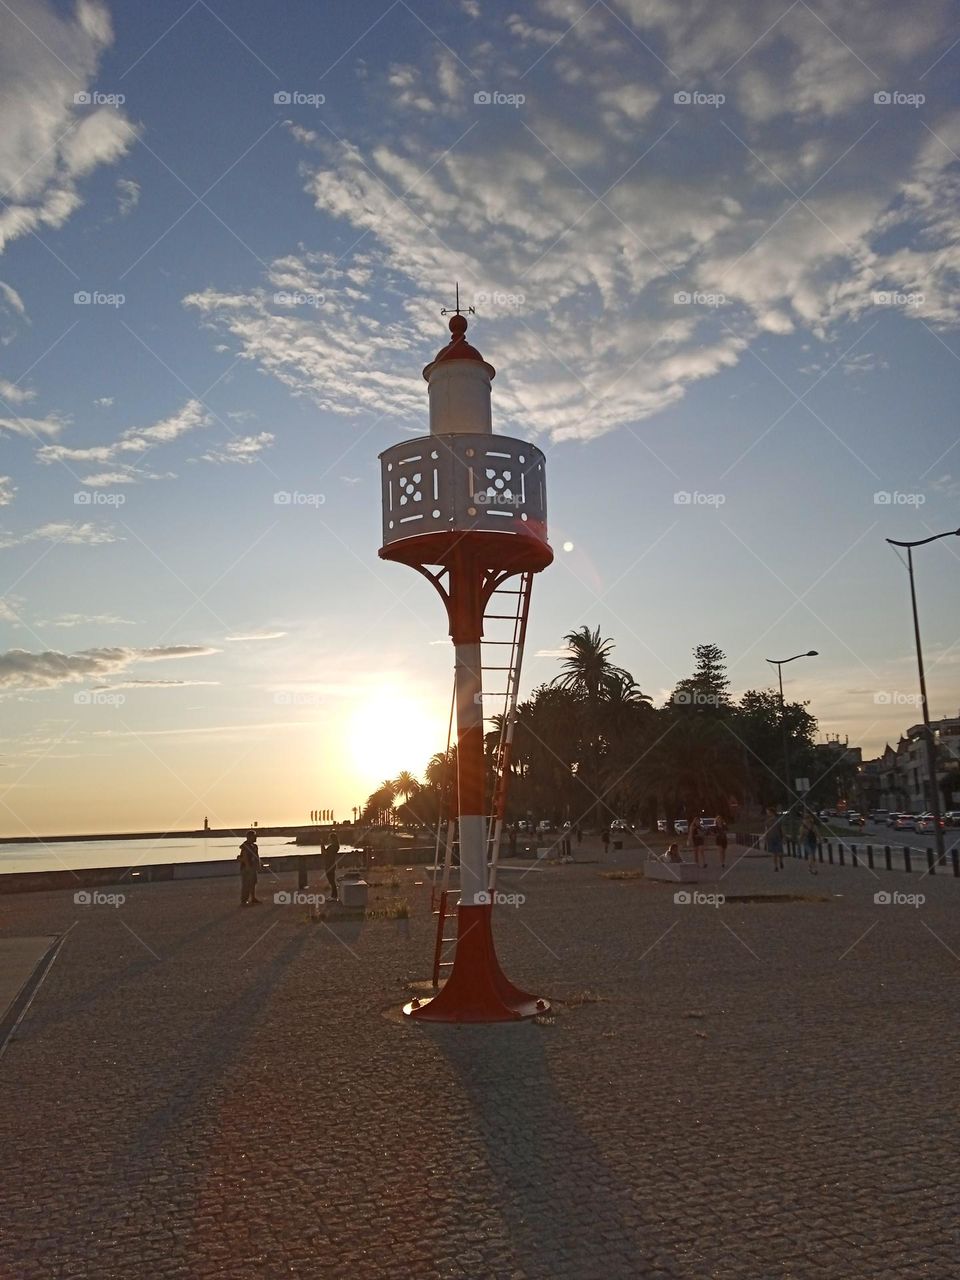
(79,855)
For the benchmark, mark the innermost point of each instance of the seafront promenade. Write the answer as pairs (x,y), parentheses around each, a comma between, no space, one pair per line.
(750,1089)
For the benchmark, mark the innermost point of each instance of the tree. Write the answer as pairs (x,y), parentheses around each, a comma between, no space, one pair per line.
(693,768)
(707,689)
(592,678)
(759,727)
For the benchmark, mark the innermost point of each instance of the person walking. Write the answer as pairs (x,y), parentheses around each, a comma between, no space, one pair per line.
(721,839)
(808,838)
(249,859)
(775,839)
(330,851)
(696,837)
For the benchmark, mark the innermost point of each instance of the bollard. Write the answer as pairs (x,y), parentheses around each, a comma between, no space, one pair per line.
(820,850)
(886,854)
(840,852)
(906,859)
(955,859)
(870,856)
(830,853)
(931,862)
(854,856)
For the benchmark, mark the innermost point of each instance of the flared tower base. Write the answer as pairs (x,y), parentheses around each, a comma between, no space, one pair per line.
(477,989)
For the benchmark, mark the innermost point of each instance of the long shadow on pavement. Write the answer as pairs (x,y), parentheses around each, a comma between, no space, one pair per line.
(566,1208)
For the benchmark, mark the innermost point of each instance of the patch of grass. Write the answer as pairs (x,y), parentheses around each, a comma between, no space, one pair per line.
(622,875)
(399,910)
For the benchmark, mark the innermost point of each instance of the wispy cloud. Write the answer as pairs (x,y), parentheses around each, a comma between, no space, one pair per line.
(51,425)
(244,449)
(128,196)
(51,141)
(255,635)
(133,443)
(85,534)
(21,669)
(68,620)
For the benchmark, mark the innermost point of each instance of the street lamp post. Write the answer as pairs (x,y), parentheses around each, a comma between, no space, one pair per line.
(779,664)
(927,731)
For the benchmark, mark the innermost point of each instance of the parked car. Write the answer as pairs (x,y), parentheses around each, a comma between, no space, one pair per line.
(662,825)
(681,826)
(523,825)
(544,825)
(904,822)
(619,824)
(892,817)
(952,817)
(927,822)
(853,819)
(708,824)
(879,815)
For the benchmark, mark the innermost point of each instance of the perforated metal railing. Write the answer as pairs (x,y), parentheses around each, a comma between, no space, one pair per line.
(460,482)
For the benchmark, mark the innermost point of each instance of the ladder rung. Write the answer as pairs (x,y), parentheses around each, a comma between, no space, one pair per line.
(503,617)
(505,591)
(445,964)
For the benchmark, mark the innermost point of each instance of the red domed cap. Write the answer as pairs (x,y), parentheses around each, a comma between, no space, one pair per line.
(457,348)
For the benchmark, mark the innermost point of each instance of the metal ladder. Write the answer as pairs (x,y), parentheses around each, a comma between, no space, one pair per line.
(512,637)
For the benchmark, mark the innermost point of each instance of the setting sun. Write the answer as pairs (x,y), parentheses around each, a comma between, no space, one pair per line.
(391,731)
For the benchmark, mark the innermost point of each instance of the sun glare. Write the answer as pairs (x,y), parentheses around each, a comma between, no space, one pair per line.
(391,731)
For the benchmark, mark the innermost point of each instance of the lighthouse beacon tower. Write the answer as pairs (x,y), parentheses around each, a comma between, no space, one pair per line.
(467,509)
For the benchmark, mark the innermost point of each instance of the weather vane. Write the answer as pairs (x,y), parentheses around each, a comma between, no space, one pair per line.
(458,310)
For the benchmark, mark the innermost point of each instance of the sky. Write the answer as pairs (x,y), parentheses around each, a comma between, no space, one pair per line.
(713,252)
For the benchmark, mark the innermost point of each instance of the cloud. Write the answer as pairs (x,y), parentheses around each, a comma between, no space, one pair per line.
(256,635)
(12,299)
(10,609)
(10,392)
(128,196)
(104,402)
(243,449)
(7,491)
(575,224)
(86,619)
(155,684)
(85,534)
(135,442)
(20,669)
(51,425)
(49,141)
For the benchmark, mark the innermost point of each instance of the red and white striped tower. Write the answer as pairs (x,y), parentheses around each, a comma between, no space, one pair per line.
(445,514)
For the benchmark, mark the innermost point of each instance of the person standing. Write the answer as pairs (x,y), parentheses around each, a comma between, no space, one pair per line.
(330,851)
(696,837)
(808,838)
(721,838)
(775,840)
(605,837)
(249,859)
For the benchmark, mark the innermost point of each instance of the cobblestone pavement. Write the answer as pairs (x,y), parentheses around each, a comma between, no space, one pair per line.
(755,1090)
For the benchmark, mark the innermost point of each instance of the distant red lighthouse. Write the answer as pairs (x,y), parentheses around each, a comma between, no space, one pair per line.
(467,509)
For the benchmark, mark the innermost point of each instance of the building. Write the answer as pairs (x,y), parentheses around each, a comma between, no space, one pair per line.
(897,779)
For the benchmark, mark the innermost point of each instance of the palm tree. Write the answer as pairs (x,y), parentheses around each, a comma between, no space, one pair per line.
(593,678)
(588,671)
(405,784)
